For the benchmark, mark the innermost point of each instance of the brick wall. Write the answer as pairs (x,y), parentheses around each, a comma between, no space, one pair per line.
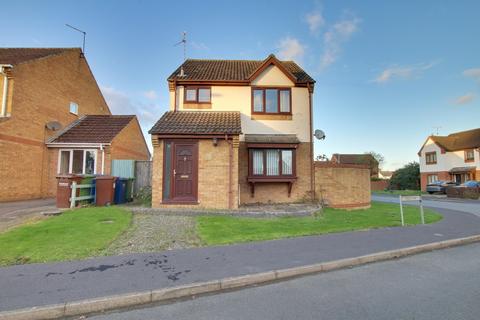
(277,192)
(342,186)
(42,90)
(130,144)
(213,176)
(442,175)
(379,185)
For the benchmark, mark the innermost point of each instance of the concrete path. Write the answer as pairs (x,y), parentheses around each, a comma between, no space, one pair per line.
(17,212)
(436,285)
(43,284)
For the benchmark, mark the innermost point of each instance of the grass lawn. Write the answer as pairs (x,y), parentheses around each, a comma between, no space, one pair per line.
(399,192)
(75,234)
(215,230)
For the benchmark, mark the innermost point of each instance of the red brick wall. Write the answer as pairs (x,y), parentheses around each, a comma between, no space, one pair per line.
(442,175)
(379,185)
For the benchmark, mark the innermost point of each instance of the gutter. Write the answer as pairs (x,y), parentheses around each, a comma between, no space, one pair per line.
(76,145)
(3,110)
(230,166)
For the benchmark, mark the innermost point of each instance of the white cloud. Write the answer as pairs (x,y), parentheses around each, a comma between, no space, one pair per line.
(315,21)
(150,94)
(472,73)
(335,37)
(466,98)
(404,72)
(291,49)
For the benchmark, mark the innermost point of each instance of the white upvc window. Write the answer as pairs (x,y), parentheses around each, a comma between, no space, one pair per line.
(431,178)
(74,108)
(77,161)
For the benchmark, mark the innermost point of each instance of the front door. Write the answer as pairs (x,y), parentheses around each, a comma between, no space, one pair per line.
(185,164)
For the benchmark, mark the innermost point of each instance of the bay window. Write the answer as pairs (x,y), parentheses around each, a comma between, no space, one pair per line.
(77,161)
(272,163)
(271,101)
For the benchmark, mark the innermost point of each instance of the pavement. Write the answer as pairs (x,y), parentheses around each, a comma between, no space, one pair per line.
(53,283)
(17,212)
(441,284)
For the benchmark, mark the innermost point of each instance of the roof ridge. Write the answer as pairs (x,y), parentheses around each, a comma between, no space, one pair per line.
(39,48)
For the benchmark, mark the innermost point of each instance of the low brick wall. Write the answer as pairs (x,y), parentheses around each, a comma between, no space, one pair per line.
(342,186)
(379,185)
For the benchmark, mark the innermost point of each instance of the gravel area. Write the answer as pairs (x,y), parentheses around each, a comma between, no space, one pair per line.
(156,232)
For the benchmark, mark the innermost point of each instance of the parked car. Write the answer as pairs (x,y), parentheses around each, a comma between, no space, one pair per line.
(439,186)
(470,184)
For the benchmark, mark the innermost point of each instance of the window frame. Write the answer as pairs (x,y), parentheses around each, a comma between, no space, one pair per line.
(466,159)
(430,176)
(76,108)
(197,89)
(280,169)
(427,154)
(70,160)
(264,98)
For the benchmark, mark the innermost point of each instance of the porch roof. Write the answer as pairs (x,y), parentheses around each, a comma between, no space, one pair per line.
(92,129)
(271,138)
(198,123)
(462,169)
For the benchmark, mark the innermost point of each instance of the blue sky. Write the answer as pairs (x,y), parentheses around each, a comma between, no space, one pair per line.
(387,72)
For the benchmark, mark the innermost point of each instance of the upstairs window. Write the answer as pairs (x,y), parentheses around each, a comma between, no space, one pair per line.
(431,158)
(74,108)
(469,155)
(271,101)
(198,95)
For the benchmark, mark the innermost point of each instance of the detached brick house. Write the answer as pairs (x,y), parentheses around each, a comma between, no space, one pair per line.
(454,157)
(365,159)
(238,132)
(54,119)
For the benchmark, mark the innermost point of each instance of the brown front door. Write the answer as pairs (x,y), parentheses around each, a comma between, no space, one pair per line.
(185,166)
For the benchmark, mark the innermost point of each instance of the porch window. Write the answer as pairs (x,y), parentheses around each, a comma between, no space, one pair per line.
(469,155)
(272,162)
(431,158)
(77,161)
(271,101)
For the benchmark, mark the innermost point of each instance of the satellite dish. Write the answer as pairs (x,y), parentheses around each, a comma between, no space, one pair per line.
(319,134)
(53,125)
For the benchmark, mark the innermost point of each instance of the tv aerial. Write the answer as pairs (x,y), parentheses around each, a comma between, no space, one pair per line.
(184,42)
(81,31)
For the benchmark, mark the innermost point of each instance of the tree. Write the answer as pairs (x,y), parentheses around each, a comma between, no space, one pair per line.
(407,177)
(377,156)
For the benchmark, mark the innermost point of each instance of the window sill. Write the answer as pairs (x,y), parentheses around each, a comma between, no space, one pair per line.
(430,163)
(271,117)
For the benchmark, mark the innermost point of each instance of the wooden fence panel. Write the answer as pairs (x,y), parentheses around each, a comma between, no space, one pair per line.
(143,175)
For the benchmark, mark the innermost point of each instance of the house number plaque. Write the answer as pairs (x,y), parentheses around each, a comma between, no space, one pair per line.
(184,176)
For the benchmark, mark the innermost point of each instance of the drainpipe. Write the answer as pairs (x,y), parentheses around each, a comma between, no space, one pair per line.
(103,158)
(3,111)
(312,163)
(230,166)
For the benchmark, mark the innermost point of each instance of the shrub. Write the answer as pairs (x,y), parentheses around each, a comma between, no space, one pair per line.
(144,196)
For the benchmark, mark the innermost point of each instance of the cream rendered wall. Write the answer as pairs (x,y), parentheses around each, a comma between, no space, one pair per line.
(239,98)
(445,161)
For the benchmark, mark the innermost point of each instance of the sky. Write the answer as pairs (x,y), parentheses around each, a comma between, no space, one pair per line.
(388,73)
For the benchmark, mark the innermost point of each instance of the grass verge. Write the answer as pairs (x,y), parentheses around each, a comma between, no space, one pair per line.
(399,192)
(75,234)
(216,230)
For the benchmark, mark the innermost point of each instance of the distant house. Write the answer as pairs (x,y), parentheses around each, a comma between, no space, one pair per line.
(454,157)
(360,159)
(54,120)
(238,132)
(385,175)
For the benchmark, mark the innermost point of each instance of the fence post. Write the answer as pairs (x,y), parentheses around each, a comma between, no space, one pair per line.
(421,211)
(401,211)
(73,195)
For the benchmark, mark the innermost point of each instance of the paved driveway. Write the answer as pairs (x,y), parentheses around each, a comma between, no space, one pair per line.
(470,206)
(17,212)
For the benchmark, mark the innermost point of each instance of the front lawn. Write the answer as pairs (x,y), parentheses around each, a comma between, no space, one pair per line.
(215,230)
(75,234)
(399,192)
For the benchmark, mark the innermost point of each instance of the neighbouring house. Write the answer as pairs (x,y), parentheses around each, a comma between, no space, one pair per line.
(385,175)
(454,157)
(238,132)
(54,119)
(358,159)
